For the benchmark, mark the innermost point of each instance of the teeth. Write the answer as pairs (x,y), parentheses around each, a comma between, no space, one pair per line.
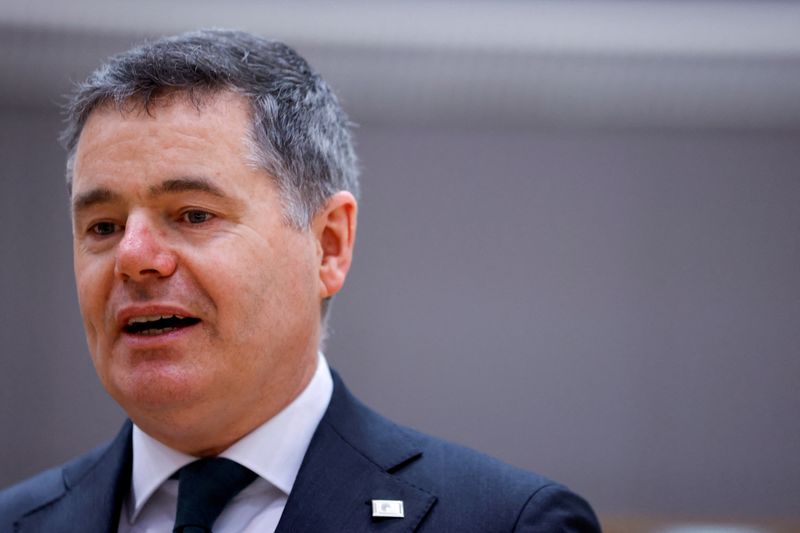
(153,332)
(150,318)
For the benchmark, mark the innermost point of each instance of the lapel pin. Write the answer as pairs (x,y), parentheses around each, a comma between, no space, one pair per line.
(387,509)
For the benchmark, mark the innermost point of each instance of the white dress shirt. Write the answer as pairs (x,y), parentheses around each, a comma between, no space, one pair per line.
(273,450)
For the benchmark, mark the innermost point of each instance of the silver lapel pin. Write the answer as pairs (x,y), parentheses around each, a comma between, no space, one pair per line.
(387,509)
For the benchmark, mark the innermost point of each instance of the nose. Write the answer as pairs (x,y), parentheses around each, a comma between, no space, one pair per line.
(144,252)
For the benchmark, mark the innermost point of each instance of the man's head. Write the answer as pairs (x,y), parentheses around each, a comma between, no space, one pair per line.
(212,181)
(299,135)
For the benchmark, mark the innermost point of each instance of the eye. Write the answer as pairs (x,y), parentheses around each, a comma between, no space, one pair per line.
(104,228)
(195,216)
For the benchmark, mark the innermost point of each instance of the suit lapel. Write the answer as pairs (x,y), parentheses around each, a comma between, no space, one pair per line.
(92,492)
(352,460)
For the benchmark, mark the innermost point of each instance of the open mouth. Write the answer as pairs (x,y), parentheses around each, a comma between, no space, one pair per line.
(158,324)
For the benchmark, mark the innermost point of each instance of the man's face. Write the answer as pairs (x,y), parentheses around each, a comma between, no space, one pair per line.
(201,306)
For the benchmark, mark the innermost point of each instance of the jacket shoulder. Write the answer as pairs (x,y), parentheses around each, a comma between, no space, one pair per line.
(40,490)
(473,490)
(495,492)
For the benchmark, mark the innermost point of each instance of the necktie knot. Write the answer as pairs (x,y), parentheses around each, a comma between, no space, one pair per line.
(205,487)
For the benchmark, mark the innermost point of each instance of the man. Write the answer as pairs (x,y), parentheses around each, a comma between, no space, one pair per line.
(213,189)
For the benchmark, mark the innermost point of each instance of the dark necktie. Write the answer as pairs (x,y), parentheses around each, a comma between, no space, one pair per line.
(205,487)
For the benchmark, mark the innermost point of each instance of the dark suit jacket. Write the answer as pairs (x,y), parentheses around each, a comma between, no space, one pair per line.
(354,457)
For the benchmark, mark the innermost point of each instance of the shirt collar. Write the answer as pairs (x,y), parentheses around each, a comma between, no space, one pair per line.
(274,450)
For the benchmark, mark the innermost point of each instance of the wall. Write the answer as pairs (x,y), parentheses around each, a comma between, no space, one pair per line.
(617,310)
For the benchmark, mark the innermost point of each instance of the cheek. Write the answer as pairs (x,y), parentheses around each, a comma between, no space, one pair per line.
(88,287)
(264,293)
(92,280)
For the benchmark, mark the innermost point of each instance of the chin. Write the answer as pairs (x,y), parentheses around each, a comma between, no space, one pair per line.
(157,387)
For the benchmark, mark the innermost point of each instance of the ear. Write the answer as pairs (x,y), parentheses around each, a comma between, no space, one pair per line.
(334,228)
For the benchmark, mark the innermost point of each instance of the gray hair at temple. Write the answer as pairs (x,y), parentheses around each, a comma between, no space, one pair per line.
(300,133)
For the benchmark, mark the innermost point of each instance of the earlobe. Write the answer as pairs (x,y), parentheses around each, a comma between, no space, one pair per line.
(335,230)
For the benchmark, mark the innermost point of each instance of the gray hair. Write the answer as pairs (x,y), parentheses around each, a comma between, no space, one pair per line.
(300,133)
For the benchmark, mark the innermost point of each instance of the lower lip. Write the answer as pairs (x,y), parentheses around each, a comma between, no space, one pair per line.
(134,340)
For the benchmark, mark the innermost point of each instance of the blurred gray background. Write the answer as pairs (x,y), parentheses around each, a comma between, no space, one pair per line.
(579,243)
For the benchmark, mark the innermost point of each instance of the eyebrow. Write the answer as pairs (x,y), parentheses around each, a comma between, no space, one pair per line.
(102,195)
(93,197)
(186,185)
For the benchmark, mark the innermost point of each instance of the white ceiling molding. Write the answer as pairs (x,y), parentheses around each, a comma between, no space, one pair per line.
(596,27)
(722,65)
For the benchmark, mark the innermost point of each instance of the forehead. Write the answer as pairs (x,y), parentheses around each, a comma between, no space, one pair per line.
(221,109)
(172,130)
